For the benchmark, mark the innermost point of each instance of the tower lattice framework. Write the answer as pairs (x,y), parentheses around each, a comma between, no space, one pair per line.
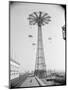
(40,66)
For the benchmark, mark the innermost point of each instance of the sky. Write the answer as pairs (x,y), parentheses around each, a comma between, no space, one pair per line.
(21,48)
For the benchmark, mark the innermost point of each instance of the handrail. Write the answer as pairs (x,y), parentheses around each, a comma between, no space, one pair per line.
(39,81)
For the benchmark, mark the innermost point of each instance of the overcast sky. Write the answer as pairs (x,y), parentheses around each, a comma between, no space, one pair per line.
(22,49)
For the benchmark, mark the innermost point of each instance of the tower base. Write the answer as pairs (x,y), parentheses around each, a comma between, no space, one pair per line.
(40,73)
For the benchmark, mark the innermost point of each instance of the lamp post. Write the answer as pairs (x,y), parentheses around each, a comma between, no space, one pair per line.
(64,32)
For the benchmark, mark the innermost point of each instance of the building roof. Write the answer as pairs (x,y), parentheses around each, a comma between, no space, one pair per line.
(14,61)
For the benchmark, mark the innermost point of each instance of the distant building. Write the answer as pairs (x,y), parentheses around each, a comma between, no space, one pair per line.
(14,69)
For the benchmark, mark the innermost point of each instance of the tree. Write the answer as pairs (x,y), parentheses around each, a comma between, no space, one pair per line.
(40,19)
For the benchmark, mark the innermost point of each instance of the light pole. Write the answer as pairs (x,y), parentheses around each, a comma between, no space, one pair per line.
(64,32)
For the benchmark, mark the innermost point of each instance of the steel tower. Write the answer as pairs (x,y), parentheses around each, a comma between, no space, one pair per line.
(40,19)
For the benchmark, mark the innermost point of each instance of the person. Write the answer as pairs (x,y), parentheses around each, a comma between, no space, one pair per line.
(31,81)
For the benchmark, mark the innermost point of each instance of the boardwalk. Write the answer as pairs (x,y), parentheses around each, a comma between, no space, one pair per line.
(30,81)
(34,81)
